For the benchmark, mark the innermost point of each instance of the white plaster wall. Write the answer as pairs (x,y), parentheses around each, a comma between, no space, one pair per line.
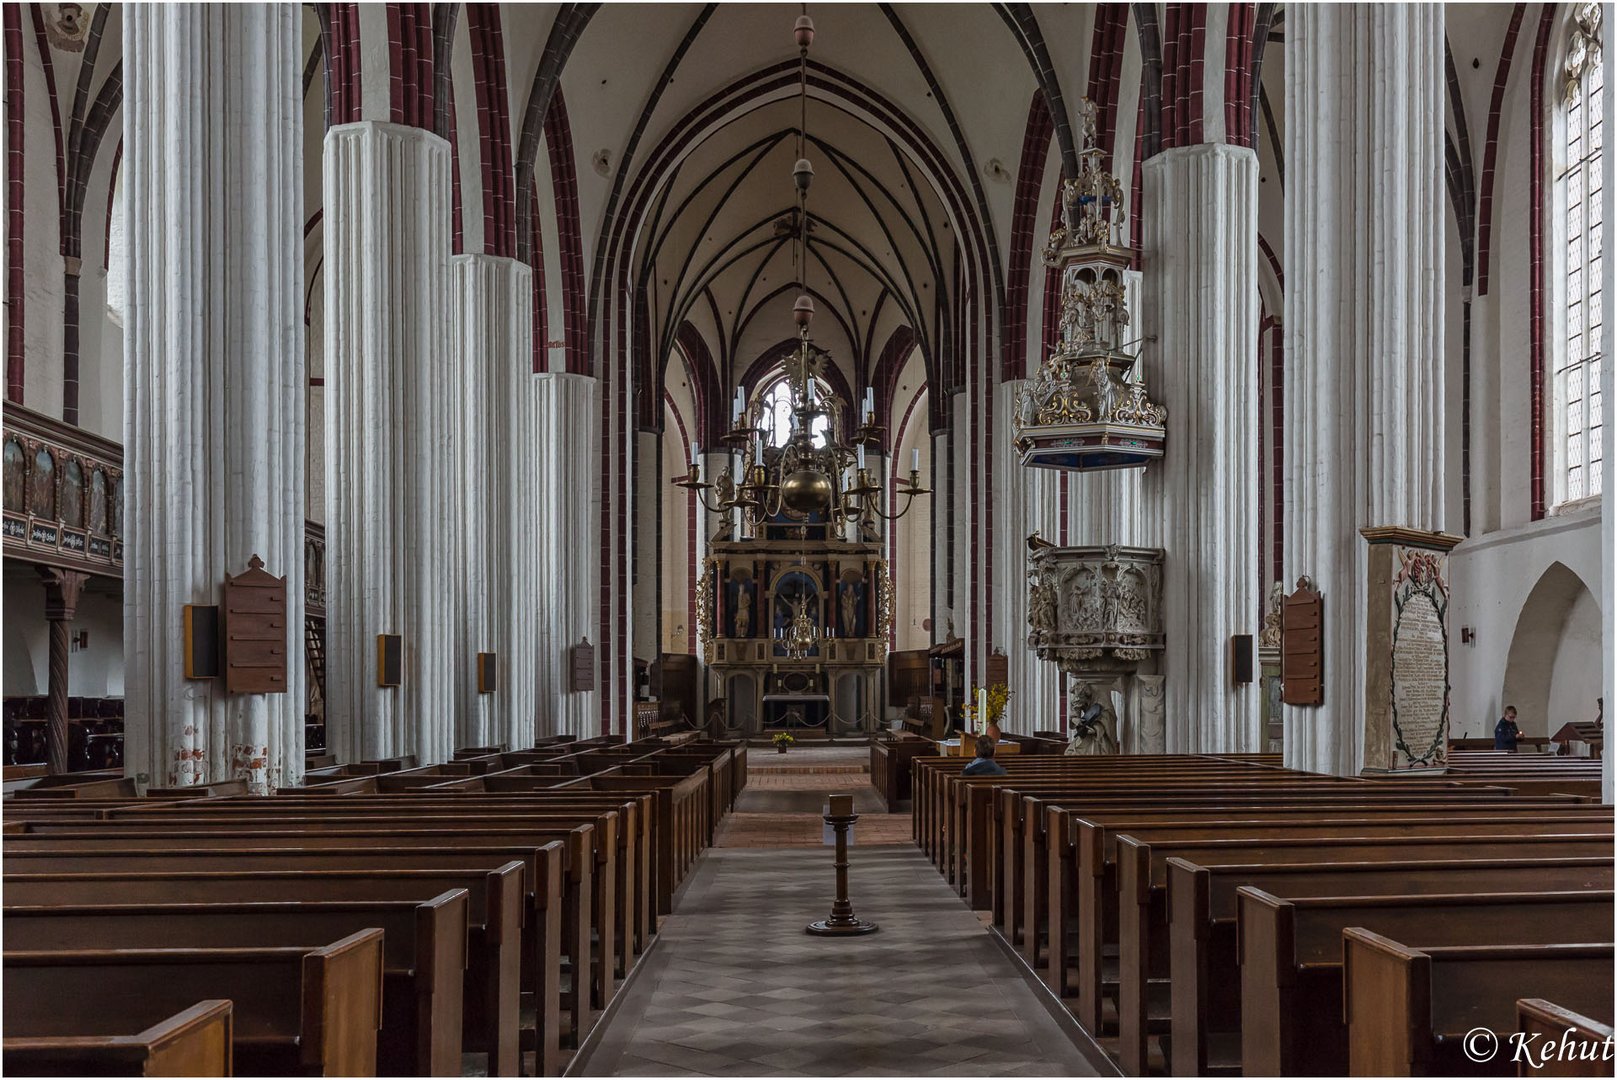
(1575,680)
(1492,577)
(913,539)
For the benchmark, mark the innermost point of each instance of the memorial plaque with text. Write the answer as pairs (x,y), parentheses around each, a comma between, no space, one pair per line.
(1407,651)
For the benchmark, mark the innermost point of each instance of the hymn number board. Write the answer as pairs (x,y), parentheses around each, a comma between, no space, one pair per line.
(1302,647)
(255,631)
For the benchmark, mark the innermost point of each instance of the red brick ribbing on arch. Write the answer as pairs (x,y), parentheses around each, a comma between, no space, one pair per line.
(1238,74)
(1184,48)
(884,380)
(14,203)
(711,418)
(1106,71)
(494,129)
(410,57)
(1490,153)
(343,63)
(1537,349)
(564,182)
(1024,241)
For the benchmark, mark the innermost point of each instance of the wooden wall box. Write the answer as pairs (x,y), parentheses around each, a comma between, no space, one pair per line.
(1302,647)
(487,672)
(201,641)
(254,625)
(389,659)
(581,667)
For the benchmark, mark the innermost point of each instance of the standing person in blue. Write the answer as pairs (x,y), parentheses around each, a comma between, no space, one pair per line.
(984,764)
(1505,733)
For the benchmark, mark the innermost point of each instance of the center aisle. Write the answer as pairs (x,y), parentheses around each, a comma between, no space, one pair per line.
(735,987)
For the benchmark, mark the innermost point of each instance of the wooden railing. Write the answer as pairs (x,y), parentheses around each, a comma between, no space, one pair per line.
(63,494)
(64,502)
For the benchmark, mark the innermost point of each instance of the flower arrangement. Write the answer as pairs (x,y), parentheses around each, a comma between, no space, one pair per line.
(782,739)
(989,706)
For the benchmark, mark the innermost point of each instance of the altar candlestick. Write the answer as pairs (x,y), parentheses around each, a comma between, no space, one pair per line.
(982,709)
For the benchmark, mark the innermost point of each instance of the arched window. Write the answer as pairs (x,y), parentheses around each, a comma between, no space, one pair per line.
(1575,364)
(777,413)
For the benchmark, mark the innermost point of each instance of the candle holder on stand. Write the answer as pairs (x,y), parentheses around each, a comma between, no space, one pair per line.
(842,922)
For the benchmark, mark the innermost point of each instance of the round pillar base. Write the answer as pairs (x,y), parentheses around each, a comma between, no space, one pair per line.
(833,928)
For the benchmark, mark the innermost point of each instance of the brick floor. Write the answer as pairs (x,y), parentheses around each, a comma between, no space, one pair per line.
(785,796)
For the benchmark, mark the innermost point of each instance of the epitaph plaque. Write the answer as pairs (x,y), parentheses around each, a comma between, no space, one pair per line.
(1407,650)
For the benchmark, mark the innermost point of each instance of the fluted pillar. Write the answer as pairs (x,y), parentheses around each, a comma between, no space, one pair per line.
(214,374)
(497,605)
(1364,334)
(567,530)
(1028,501)
(390,452)
(1201,306)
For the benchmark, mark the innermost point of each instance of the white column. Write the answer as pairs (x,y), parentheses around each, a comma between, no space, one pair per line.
(645,502)
(214,374)
(567,532)
(1028,500)
(498,603)
(1364,343)
(390,453)
(941,501)
(1201,305)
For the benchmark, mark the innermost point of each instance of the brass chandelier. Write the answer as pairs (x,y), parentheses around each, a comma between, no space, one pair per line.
(803,477)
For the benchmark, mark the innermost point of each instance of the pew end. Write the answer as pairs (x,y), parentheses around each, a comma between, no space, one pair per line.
(193,1042)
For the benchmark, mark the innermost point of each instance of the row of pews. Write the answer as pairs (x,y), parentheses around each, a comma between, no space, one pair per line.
(1223,915)
(381,919)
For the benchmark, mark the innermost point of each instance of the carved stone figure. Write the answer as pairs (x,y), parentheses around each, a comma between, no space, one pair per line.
(1041,615)
(1094,725)
(744,609)
(1269,636)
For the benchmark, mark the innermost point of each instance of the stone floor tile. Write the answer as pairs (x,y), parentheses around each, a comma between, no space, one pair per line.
(734,988)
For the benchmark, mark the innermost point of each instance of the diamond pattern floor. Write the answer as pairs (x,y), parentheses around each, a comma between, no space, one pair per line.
(735,988)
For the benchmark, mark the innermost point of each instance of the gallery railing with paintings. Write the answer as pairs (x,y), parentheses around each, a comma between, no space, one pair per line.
(64,542)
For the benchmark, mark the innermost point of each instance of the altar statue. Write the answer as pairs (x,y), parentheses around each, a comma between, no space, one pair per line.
(744,609)
(848,607)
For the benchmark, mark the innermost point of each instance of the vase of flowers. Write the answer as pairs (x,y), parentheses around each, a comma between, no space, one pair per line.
(782,740)
(991,704)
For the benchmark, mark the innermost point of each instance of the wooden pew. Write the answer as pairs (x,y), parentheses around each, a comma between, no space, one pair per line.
(633,872)
(492,1020)
(295,1011)
(1142,902)
(1082,868)
(424,960)
(1289,1008)
(562,898)
(1409,1008)
(192,1042)
(1583,1047)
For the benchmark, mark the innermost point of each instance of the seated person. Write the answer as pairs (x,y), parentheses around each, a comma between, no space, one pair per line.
(1505,733)
(984,764)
